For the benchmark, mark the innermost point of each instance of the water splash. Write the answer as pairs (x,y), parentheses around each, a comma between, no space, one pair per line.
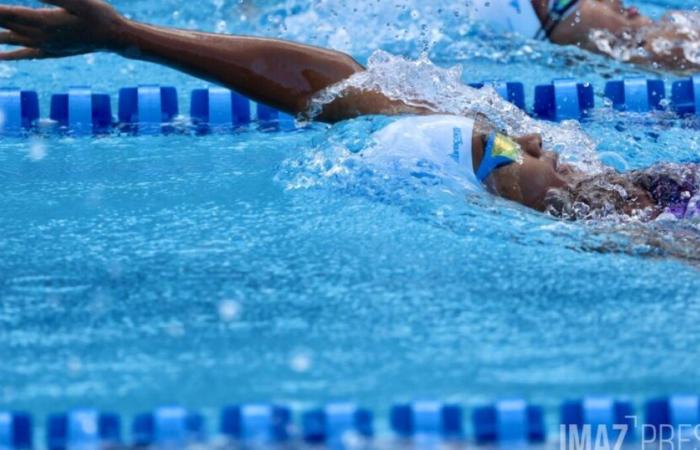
(36,150)
(676,34)
(344,25)
(338,161)
(422,84)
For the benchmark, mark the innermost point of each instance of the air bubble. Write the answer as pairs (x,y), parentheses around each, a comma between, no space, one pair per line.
(229,310)
(300,361)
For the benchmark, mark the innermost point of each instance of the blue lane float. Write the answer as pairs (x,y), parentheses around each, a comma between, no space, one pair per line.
(685,96)
(168,426)
(80,111)
(151,109)
(601,415)
(19,110)
(256,423)
(514,92)
(146,109)
(504,424)
(666,416)
(16,431)
(636,94)
(336,422)
(427,420)
(220,109)
(563,99)
(509,422)
(270,117)
(82,429)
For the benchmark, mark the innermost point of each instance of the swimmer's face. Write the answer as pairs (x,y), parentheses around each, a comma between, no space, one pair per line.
(528,182)
(610,15)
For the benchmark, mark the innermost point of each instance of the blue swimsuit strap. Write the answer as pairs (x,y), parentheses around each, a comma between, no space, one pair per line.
(489,163)
(558,11)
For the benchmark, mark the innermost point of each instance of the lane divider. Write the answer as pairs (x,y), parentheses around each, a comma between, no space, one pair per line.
(153,109)
(81,111)
(636,94)
(514,92)
(333,423)
(600,412)
(16,430)
(81,428)
(509,422)
(685,96)
(421,420)
(147,109)
(217,108)
(169,426)
(664,415)
(18,110)
(505,423)
(257,423)
(563,99)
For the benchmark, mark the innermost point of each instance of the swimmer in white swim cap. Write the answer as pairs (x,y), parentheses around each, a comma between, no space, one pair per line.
(287,76)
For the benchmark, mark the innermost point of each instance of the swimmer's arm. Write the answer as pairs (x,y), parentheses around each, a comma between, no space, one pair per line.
(647,37)
(657,55)
(282,74)
(665,50)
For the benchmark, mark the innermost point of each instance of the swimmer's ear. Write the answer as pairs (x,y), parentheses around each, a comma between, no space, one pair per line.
(22,54)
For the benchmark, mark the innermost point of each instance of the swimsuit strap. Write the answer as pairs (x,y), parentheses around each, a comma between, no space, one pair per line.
(558,11)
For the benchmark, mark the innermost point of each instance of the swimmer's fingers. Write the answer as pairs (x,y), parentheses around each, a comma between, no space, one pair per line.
(24,30)
(12,17)
(12,38)
(21,54)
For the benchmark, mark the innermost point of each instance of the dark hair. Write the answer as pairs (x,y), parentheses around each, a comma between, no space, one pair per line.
(644,193)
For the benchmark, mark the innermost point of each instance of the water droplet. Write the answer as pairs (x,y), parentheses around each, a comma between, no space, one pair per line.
(300,361)
(175,329)
(229,310)
(37,150)
(74,364)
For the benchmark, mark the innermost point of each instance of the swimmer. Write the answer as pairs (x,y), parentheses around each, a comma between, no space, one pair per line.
(597,26)
(288,76)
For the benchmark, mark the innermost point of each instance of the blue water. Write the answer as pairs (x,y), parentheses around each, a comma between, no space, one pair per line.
(137,271)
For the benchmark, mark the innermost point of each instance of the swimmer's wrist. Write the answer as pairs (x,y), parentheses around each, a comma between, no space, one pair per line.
(122,35)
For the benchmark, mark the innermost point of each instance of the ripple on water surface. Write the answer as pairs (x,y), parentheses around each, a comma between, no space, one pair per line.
(117,254)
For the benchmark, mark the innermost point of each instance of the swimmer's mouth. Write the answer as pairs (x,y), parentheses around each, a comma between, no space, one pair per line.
(632,12)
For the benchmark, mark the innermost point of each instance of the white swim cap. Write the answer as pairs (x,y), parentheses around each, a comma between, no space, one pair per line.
(444,141)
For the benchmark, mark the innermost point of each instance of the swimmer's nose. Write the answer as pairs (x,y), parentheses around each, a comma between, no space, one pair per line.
(532,145)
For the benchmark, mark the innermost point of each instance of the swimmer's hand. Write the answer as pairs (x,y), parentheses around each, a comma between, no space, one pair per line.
(75,27)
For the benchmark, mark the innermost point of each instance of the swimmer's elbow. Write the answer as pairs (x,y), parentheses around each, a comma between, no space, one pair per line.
(352,66)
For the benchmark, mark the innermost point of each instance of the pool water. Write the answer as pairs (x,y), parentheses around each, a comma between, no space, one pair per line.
(257,266)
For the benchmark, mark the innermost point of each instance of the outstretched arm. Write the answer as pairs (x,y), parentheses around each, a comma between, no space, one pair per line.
(282,74)
(671,42)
